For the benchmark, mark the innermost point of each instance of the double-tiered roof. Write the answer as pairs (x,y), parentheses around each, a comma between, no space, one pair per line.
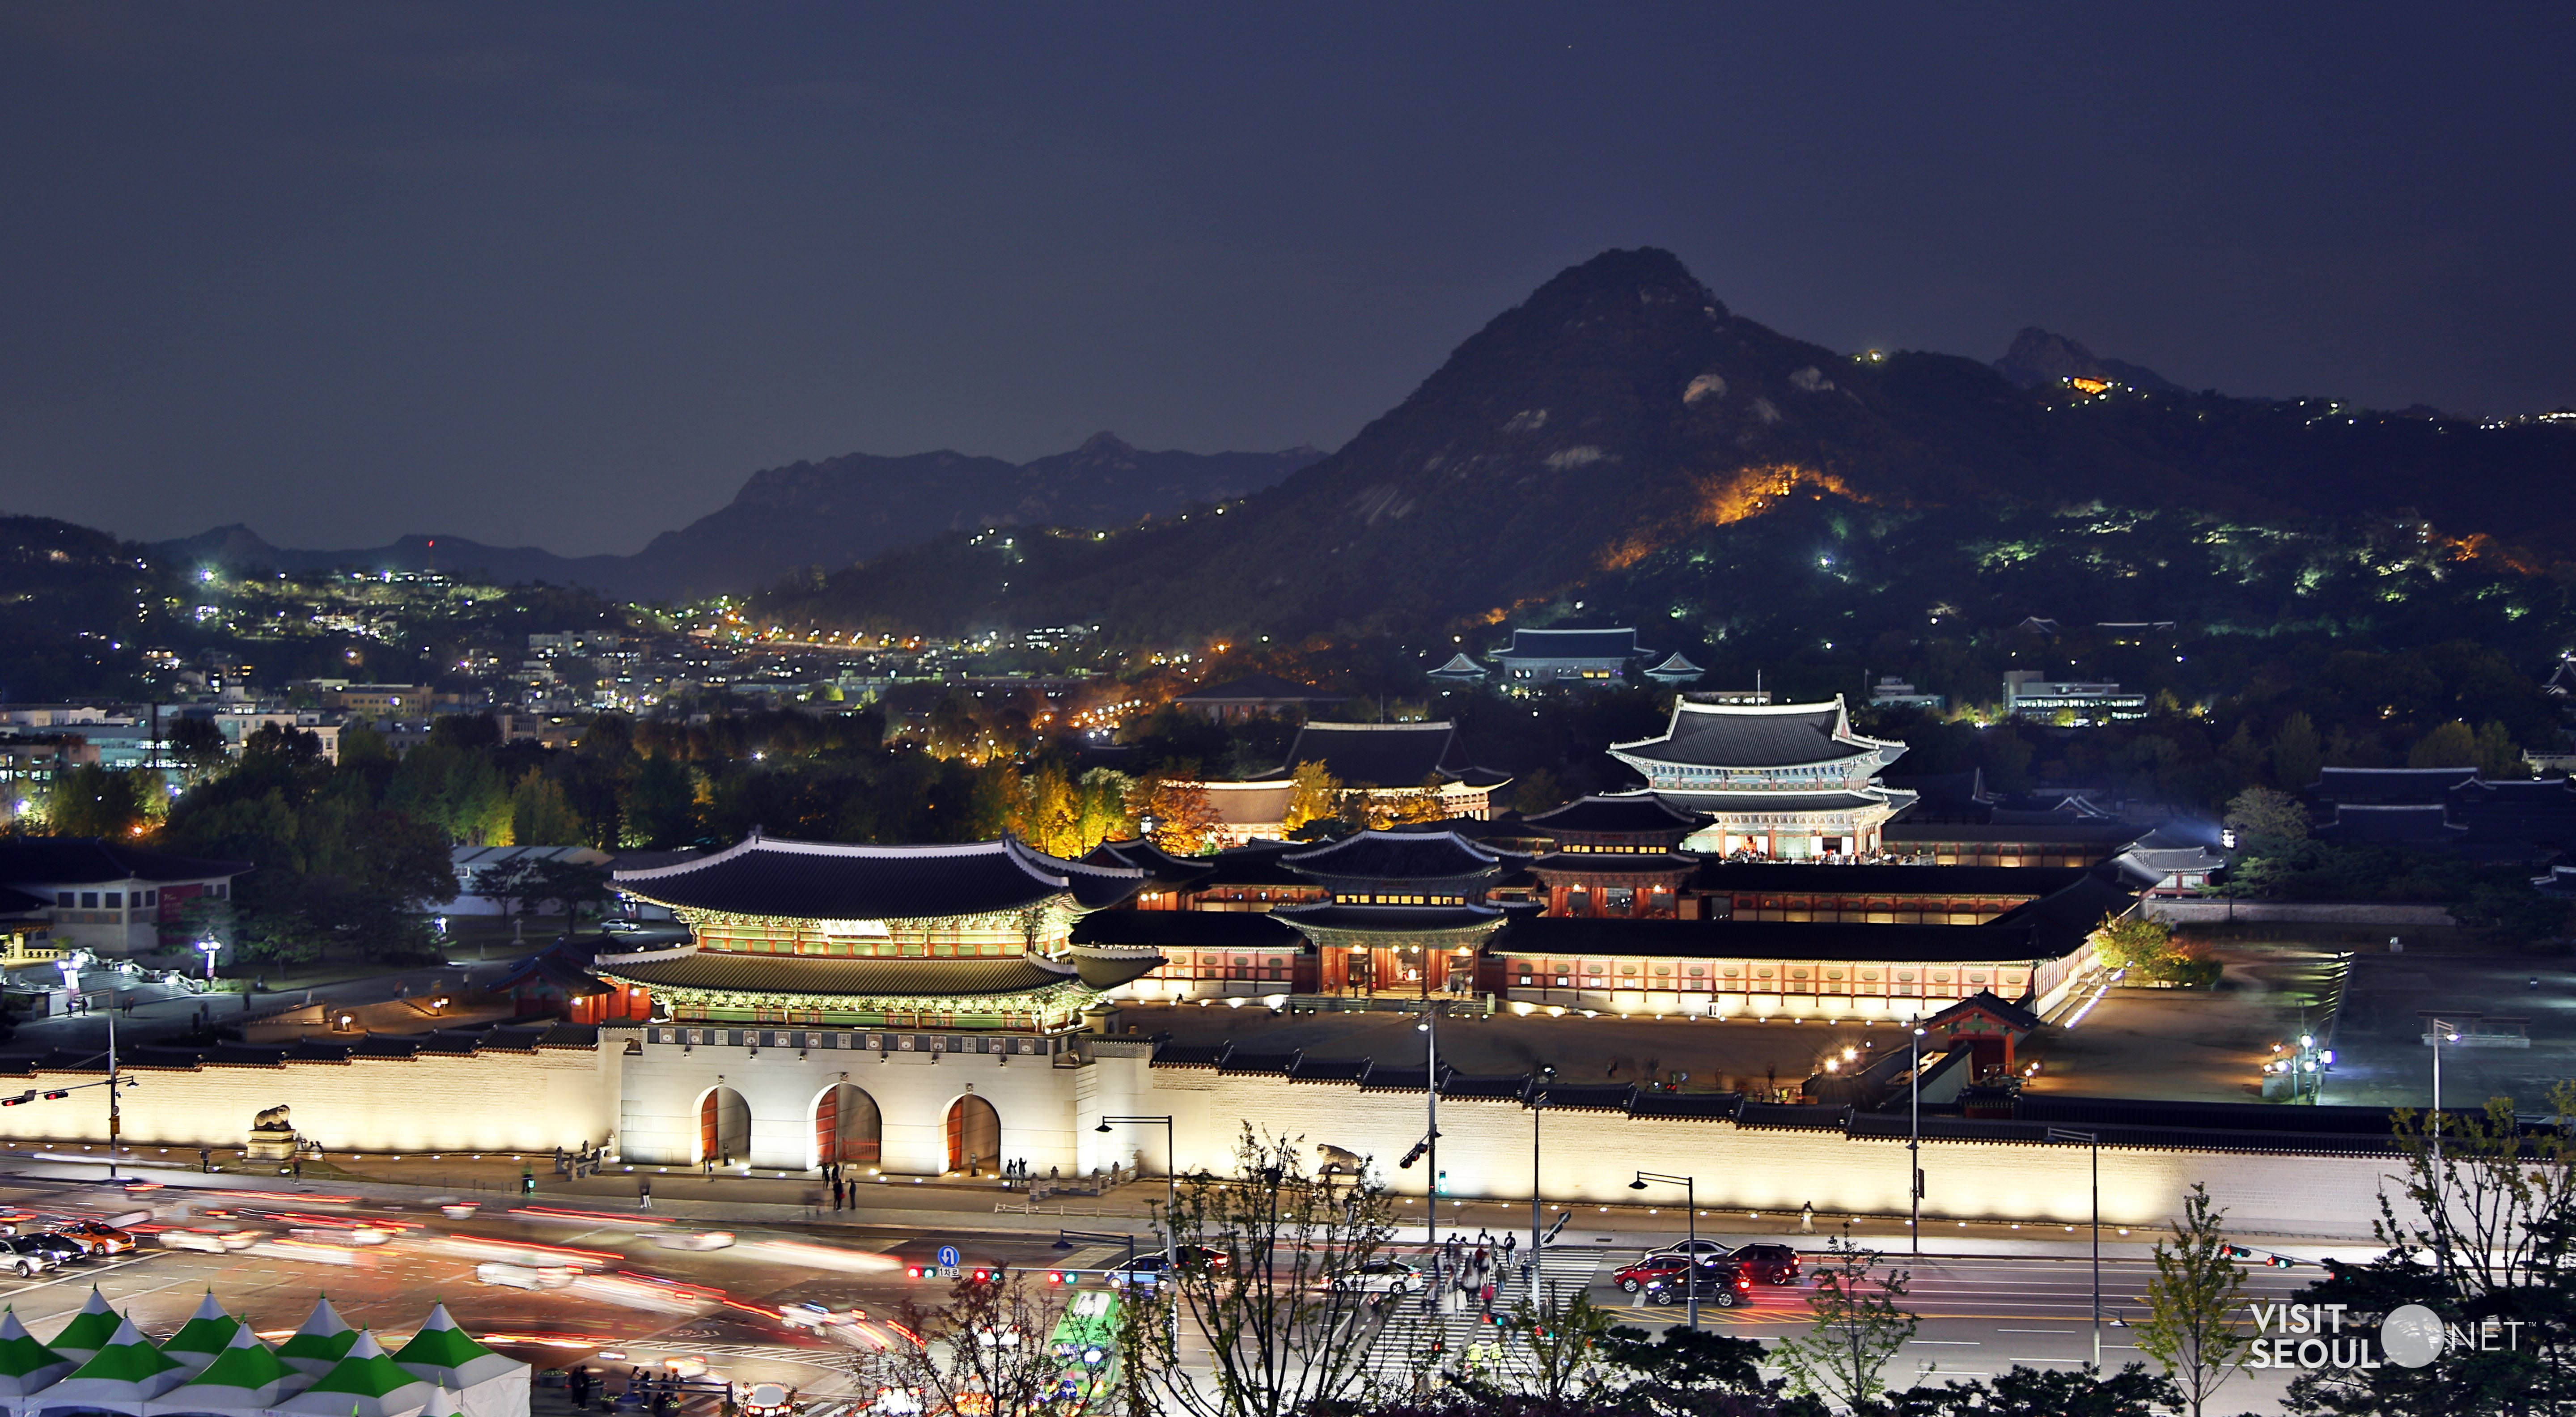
(826,880)
(1774,773)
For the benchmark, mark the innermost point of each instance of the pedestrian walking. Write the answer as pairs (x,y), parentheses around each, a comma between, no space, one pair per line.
(836,1195)
(644,1193)
(1807,1217)
(1511,1242)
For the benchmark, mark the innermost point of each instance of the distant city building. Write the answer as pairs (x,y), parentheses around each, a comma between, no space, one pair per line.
(107,896)
(1255,695)
(1539,659)
(2446,809)
(2028,695)
(1778,780)
(1897,693)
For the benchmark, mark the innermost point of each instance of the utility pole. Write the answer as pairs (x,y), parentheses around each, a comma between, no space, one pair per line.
(1538,1104)
(115,1117)
(2094,1140)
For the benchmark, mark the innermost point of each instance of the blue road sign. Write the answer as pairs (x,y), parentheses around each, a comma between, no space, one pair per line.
(948,1257)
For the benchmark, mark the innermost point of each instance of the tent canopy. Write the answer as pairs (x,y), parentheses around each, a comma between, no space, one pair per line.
(89,1330)
(25,1363)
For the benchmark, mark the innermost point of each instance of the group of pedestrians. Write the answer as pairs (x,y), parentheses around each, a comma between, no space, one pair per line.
(1471,1270)
(646,1391)
(845,1192)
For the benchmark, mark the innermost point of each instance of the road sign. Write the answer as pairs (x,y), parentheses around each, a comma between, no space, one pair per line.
(948,1257)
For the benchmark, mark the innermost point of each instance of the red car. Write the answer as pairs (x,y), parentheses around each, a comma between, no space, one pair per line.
(1652,1270)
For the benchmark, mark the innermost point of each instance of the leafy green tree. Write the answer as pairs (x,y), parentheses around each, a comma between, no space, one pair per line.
(2297,756)
(90,800)
(540,815)
(2043,1392)
(516,883)
(661,804)
(571,886)
(1856,1323)
(1688,1373)
(2196,1304)
(2450,745)
(2266,811)
(2498,756)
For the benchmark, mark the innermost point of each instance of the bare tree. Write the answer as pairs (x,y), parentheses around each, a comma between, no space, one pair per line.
(1263,1274)
(986,1349)
(1855,1326)
(2196,1303)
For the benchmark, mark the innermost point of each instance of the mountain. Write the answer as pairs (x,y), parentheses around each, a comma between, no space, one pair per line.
(825,514)
(1623,408)
(2038,357)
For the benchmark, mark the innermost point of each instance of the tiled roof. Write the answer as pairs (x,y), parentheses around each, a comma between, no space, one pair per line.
(812,880)
(1187,929)
(1387,754)
(1749,736)
(1494,1089)
(1161,867)
(1573,644)
(1396,856)
(1719,875)
(1610,863)
(1276,1064)
(80,860)
(1688,1106)
(2108,835)
(1719,799)
(15,902)
(1616,814)
(1388,919)
(2388,787)
(855,978)
(1747,939)
(1105,970)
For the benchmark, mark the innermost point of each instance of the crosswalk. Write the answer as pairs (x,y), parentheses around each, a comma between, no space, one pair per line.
(1415,1338)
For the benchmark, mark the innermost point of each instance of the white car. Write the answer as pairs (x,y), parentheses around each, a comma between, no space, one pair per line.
(693,1239)
(520,1276)
(212,1242)
(1381,1277)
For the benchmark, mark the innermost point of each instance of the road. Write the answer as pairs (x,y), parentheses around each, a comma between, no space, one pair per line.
(2020,1302)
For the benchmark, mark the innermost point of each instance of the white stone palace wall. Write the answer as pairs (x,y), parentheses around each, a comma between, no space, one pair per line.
(492,1102)
(1590,1158)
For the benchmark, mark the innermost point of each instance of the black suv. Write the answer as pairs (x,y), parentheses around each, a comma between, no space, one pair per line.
(1772,1264)
(63,1248)
(1721,1284)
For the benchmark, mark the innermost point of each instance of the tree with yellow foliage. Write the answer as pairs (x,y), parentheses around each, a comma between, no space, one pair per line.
(1184,818)
(1317,794)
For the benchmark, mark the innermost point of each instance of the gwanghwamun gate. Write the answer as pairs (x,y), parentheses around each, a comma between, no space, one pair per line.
(934,1013)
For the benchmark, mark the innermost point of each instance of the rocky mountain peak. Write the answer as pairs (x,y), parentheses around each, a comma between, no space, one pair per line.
(2040,357)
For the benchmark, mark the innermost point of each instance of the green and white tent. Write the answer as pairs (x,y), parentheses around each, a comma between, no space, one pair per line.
(25,1363)
(244,1380)
(367,1383)
(482,1382)
(125,1373)
(89,1330)
(442,1403)
(206,1333)
(318,1347)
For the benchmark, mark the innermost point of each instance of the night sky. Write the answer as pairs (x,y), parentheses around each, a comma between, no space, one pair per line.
(564,275)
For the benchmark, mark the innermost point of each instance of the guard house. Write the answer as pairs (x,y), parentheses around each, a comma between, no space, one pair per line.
(1616,856)
(1406,914)
(1779,781)
(807,1019)
(1545,659)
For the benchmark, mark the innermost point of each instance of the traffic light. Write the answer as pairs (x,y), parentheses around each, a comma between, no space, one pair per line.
(2280,1261)
(27,1096)
(2236,1252)
(57,1095)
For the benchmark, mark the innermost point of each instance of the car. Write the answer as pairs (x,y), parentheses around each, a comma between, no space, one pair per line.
(693,1239)
(212,1242)
(1381,1277)
(99,1237)
(63,1248)
(1717,1283)
(1150,1269)
(22,1256)
(520,1276)
(1653,1269)
(619,927)
(1705,1249)
(1772,1264)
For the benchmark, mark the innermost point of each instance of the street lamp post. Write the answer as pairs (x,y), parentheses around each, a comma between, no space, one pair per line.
(2094,1140)
(1431,1102)
(1914,1140)
(208,947)
(1690,1210)
(1538,1104)
(1171,1162)
(2441,1032)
